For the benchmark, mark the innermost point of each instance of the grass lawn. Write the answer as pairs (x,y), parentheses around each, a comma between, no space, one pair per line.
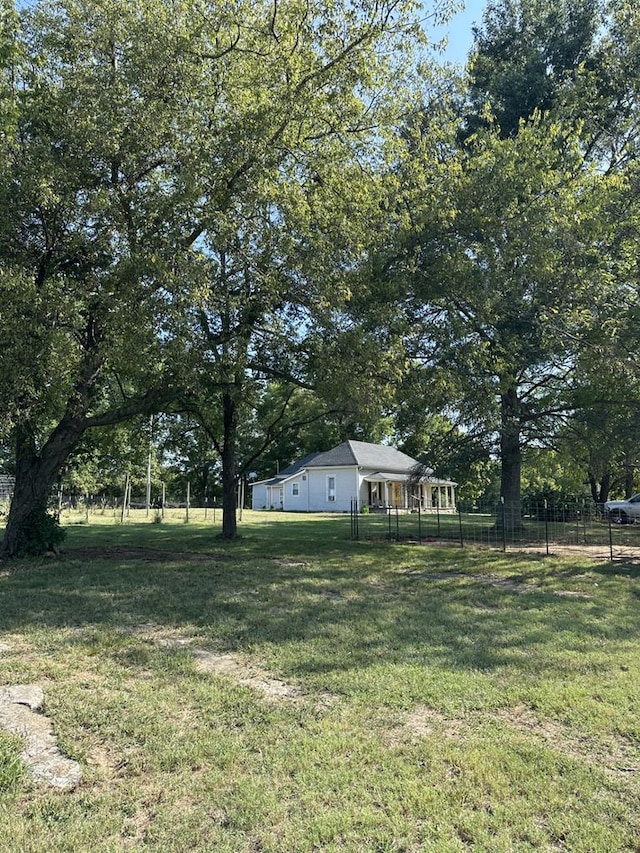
(296,691)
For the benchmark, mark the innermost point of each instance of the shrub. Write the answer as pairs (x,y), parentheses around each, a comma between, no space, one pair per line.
(41,532)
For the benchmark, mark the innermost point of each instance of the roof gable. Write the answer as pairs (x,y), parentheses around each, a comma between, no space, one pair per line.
(364,455)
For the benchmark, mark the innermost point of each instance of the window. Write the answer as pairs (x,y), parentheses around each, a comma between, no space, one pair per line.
(295,489)
(331,488)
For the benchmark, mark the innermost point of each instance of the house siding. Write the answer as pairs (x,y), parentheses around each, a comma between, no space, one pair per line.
(345,489)
(297,502)
(259,497)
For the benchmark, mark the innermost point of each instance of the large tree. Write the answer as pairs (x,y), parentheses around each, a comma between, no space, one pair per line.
(276,230)
(511,243)
(142,182)
(501,258)
(83,187)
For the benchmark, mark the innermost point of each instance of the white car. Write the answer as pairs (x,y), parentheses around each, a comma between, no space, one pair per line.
(623,512)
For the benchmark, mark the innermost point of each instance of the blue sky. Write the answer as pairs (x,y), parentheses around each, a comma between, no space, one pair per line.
(459,30)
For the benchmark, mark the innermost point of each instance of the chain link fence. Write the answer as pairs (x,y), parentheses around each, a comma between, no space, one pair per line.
(545,528)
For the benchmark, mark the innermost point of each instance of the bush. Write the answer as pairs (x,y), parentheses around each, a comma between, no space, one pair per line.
(41,532)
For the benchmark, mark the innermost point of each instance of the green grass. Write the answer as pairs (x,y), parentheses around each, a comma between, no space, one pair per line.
(454,699)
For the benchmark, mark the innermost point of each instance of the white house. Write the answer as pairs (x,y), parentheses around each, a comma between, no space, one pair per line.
(375,475)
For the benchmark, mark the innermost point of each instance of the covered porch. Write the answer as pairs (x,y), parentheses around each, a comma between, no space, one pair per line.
(384,490)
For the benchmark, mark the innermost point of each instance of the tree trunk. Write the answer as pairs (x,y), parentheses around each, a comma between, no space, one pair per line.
(628,481)
(600,494)
(509,514)
(37,471)
(229,495)
(36,474)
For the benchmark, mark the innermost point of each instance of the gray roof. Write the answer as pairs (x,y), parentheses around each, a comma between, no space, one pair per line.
(379,457)
(297,466)
(363,454)
(287,472)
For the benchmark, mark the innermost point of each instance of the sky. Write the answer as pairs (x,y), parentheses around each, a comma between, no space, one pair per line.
(459,30)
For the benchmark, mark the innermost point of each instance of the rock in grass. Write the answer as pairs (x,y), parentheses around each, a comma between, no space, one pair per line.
(21,714)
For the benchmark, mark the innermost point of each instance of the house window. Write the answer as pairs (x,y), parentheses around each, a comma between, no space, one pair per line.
(295,489)
(331,488)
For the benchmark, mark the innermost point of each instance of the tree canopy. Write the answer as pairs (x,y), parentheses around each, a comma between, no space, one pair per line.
(281,215)
(170,202)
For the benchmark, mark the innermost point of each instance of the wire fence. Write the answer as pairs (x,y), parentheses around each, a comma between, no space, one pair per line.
(580,527)
(540,527)
(131,505)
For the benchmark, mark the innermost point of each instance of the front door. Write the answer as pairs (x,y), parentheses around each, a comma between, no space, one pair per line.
(396,494)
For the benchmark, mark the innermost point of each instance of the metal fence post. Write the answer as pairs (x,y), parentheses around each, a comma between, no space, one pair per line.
(546,525)
(354,519)
(556,525)
(610,538)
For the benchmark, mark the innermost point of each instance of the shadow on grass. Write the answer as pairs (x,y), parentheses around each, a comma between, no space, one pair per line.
(345,605)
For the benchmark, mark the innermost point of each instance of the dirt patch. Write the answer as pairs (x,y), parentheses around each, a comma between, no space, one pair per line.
(617,756)
(242,671)
(21,714)
(614,755)
(245,673)
(424,721)
(235,667)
